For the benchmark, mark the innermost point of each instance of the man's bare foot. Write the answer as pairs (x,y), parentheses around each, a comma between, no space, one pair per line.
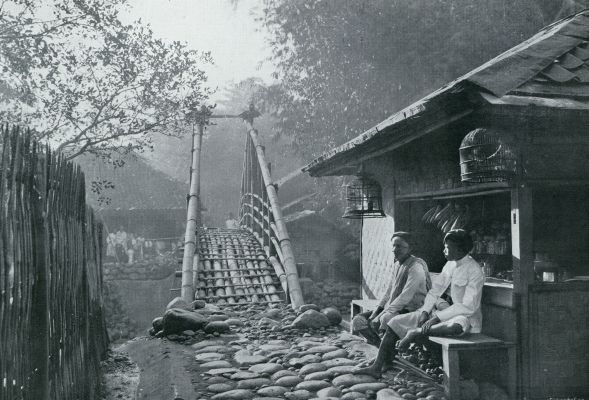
(367,371)
(409,338)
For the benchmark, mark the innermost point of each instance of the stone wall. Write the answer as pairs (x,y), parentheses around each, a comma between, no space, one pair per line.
(136,293)
(330,293)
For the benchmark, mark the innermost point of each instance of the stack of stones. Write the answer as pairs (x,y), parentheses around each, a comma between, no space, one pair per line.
(278,353)
(153,269)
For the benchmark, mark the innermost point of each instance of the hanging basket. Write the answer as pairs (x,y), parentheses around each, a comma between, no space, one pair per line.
(364,199)
(487,155)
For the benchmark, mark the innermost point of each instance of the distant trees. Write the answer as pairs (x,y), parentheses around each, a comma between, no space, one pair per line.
(344,66)
(88,83)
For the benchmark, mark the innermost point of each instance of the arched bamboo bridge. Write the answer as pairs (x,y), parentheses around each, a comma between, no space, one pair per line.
(254,263)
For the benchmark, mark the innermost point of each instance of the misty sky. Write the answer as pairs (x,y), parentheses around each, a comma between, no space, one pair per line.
(228,32)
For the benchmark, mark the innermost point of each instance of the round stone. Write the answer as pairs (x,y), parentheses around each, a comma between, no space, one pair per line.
(318,376)
(282,373)
(360,395)
(289,381)
(266,368)
(312,386)
(306,307)
(364,387)
(322,349)
(337,362)
(272,391)
(221,371)
(234,322)
(207,343)
(311,368)
(341,370)
(218,317)
(340,353)
(298,395)
(253,383)
(329,392)
(236,394)
(216,364)
(351,380)
(217,327)
(220,387)
(244,375)
(206,357)
(333,315)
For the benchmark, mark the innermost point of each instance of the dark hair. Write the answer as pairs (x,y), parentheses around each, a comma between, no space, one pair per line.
(406,236)
(461,238)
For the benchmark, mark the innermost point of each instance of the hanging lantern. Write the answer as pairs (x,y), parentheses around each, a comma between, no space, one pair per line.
(487,155)
(364,198)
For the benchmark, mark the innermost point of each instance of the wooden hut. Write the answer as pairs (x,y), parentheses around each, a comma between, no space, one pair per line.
(525,202)
(143,200)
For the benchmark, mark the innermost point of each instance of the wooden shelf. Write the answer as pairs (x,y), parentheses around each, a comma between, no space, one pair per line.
(465,191)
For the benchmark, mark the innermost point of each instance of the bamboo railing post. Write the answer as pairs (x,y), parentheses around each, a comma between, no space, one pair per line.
(193,212)
(292,277)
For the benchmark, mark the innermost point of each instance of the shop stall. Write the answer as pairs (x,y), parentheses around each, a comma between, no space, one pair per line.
(502,152)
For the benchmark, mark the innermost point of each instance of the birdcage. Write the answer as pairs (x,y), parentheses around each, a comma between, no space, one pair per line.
(364,198)
(487,155)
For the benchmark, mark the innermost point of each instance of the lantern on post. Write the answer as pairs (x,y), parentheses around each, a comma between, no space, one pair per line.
(487,155)
(363,198)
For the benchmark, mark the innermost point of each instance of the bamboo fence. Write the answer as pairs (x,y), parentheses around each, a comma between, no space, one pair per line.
(52,330)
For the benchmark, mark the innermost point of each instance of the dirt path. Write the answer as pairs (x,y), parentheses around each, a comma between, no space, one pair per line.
(164,369)
(257,359)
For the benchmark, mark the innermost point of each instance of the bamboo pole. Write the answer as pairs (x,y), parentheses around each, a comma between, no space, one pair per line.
(193,217)
(292,277)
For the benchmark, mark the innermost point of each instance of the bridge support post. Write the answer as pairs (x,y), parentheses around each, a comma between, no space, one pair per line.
(193,212)
(292,277)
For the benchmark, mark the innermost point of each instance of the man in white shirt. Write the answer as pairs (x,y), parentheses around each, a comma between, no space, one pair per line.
(409,284)
(464,276)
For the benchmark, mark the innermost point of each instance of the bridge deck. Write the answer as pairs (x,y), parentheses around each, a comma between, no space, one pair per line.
(234,269)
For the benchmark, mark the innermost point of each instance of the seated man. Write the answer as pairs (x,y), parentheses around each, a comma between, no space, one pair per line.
(465,278)
(406,292)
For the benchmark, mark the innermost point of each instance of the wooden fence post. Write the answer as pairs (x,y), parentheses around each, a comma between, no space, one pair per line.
(40,294)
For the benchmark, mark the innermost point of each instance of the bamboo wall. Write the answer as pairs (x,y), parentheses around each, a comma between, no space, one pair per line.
(52,331)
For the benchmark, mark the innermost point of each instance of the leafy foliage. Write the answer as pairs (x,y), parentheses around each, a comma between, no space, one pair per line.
(89,83)
(344,66)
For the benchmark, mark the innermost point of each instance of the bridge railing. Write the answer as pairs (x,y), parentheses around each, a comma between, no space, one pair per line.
(260,213)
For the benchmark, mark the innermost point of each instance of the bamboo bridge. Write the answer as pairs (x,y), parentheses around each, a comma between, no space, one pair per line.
(251,264)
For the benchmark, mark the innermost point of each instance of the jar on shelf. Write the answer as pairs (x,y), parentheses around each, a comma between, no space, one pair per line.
(487,268)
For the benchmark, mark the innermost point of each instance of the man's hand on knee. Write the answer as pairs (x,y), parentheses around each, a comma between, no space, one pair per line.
(422,318)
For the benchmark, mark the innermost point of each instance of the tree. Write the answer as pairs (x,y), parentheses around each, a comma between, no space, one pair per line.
(86,82)
(345,66)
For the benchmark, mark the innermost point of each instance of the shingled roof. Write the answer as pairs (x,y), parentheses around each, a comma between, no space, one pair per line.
(553,64)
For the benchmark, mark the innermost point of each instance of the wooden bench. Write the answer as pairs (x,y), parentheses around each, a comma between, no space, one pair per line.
(453,346)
